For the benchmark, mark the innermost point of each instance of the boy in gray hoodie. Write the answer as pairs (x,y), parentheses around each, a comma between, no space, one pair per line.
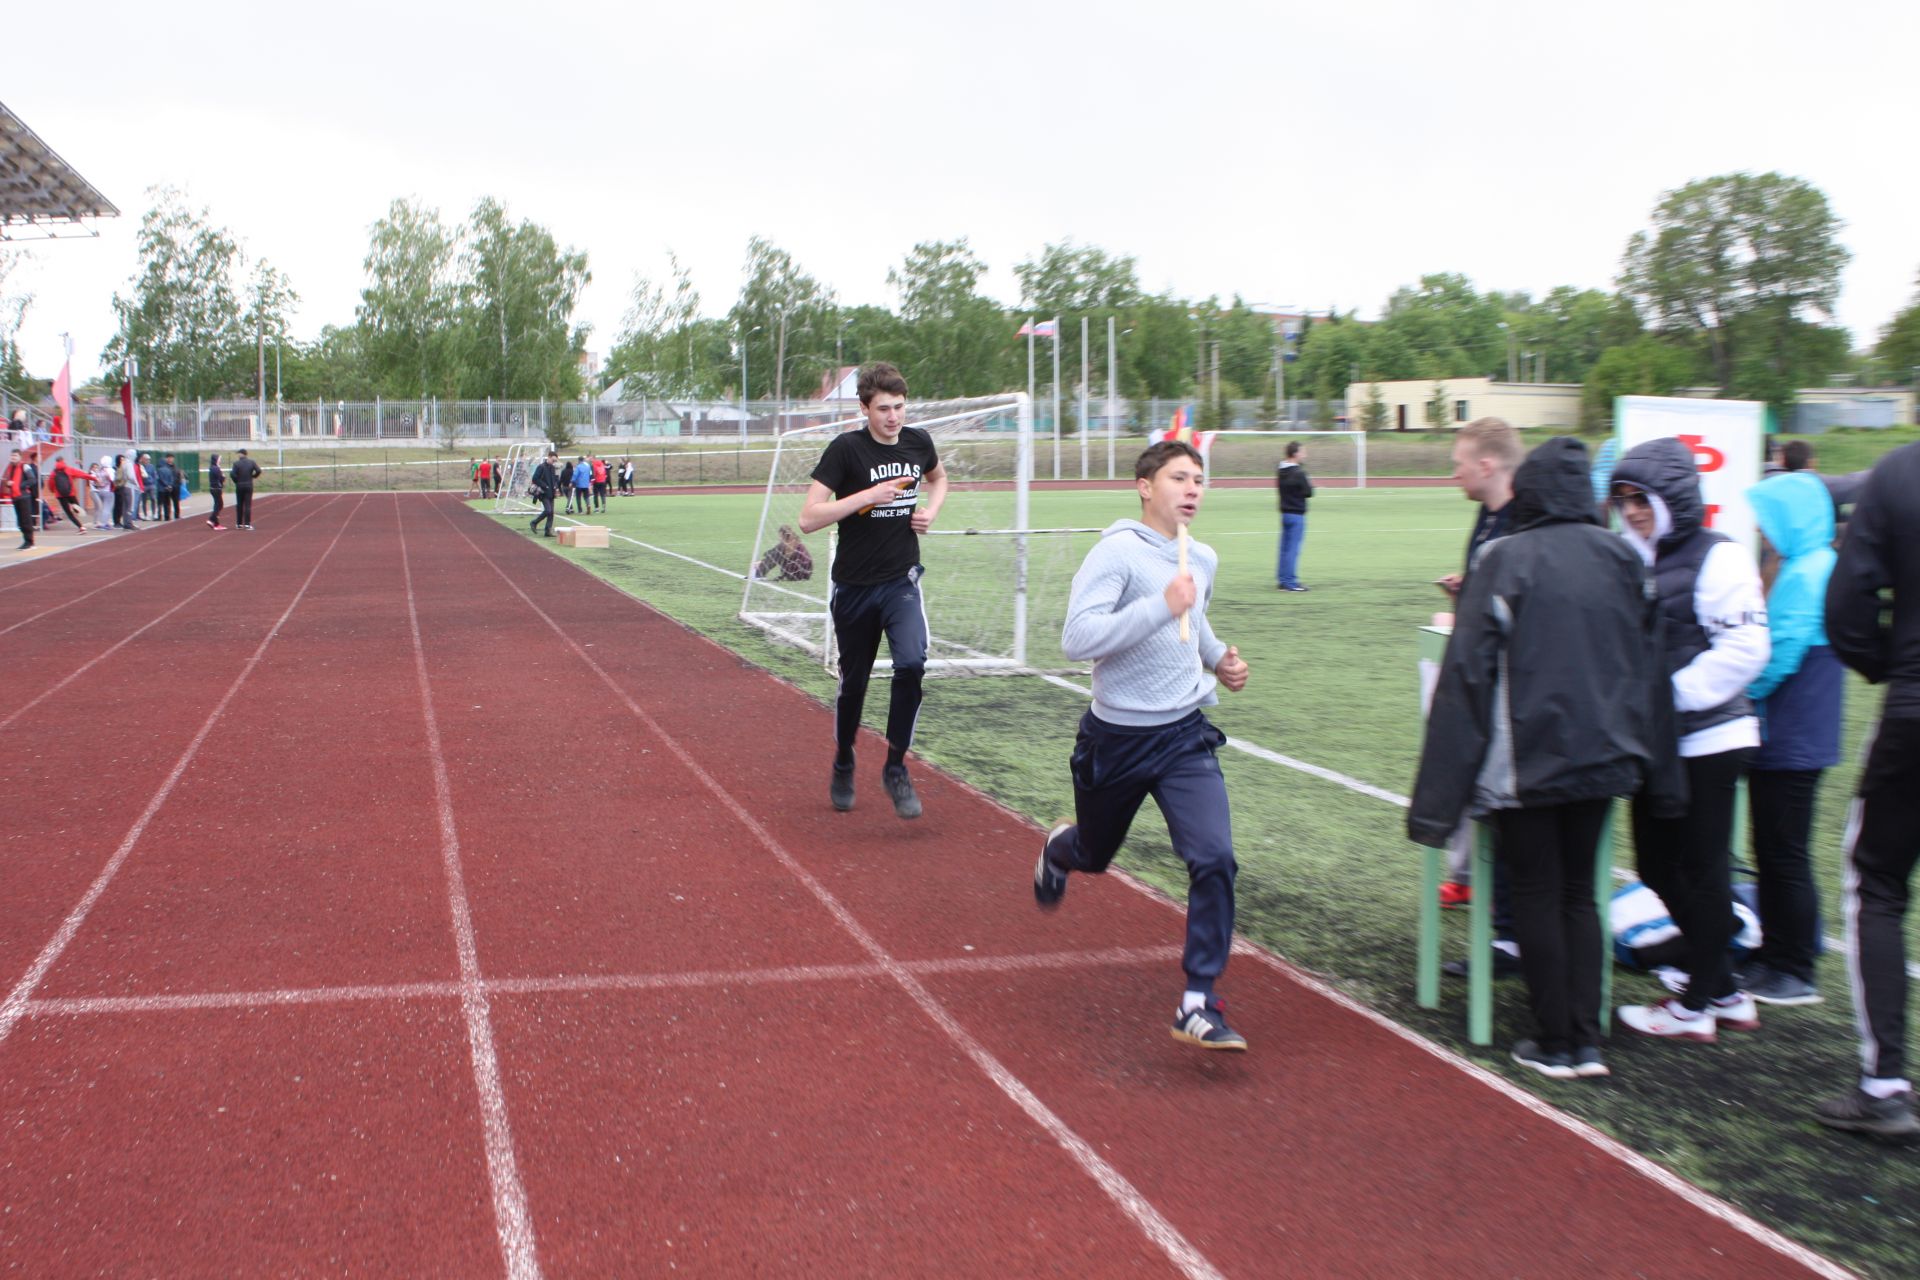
(1146,734)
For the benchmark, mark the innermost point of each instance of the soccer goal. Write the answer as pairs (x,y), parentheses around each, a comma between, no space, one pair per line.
(1334,458)
(992,579)
(512,495)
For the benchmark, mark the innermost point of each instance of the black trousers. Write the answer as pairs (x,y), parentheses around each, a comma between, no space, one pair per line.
(72,510)
(1550,855)
(545,513)
(1782,821)
(119,507)
(1688,861)
(243,504)
(219,497)
(861,615)
(1884,830)
(24,516)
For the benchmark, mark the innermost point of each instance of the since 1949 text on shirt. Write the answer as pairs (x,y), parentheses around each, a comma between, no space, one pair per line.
(880,545)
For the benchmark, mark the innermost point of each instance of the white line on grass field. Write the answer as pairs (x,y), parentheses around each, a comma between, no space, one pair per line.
(16,1001)
(512,1220)
(1843,945)
(186,600)
(1151,1222)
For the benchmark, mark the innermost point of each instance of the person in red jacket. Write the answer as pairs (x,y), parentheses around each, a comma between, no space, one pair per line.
(599,484)
(68,484)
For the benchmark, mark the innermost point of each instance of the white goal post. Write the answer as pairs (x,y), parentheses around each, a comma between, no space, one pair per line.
(511,488)
(985,563)
(1270,451)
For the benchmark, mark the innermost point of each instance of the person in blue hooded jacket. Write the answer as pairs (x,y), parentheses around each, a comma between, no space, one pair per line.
(1798,696)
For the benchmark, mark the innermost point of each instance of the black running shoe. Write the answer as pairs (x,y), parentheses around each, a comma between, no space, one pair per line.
(1557,1065)
(1588,1064)
(1207,1027)
(900,788)
(841,790)
(1049,881)
(1856,1111)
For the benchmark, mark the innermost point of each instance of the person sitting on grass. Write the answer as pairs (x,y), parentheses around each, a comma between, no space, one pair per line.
(787,560)
(1551,701)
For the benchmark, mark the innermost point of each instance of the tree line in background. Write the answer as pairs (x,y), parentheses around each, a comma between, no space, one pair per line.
(1732,285)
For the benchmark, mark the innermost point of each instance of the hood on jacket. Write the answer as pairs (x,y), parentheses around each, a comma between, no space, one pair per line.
(1665,469)
(1795,511)
(1553,486)
(1146,533)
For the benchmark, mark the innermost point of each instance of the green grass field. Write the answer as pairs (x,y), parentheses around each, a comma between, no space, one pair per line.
(1328,878)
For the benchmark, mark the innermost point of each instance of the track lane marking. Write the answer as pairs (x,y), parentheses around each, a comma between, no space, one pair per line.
(511,1217)
(12,1009)
(1151,1222)
(84,667)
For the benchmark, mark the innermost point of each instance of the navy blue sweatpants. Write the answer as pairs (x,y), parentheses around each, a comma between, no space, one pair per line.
(861,615)
(1115,768)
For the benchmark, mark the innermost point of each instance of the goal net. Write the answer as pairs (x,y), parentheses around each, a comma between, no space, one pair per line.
(1335,459)
(995,586)
(513,486)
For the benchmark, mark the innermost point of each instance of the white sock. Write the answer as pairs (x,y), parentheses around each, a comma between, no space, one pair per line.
(1193,1000)
(1874,1087)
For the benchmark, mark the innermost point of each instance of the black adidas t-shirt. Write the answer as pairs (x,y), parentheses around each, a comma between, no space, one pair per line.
(881,545)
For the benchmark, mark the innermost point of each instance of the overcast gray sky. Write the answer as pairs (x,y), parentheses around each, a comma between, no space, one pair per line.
(1517,143)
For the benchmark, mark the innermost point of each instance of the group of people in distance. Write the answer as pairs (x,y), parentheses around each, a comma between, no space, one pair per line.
(1664,665)
(123,489)
(585,483)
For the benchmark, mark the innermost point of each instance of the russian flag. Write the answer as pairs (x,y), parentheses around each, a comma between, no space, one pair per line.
(1039,329)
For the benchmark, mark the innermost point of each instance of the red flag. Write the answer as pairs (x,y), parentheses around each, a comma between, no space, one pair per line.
(126,402)
(62,402)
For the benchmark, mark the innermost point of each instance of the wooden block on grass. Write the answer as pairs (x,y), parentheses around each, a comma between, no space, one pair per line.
(584,535)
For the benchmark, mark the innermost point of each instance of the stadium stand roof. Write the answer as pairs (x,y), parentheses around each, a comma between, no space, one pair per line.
(41,197)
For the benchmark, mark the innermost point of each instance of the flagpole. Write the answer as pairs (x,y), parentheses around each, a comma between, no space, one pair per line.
(1113,403)
(1056,397)
(1085,374)
(1029,361)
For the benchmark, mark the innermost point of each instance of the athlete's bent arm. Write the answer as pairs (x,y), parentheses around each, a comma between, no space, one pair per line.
(936,497)
(822,508)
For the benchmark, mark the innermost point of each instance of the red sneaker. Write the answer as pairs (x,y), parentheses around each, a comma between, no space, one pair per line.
(1455,895)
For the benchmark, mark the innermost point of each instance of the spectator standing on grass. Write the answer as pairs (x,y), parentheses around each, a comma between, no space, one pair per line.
(217,490)
(485,475)
(1485,454)
(1552,700)
(1881,555)
(599,484)
(1715,630)
(626,476)
(583,485)
(1294,488)
(1147,733)
(245,471)
(21,486)
(101,475)
(868,482)
(473,478)
(1799,699)
(546,479)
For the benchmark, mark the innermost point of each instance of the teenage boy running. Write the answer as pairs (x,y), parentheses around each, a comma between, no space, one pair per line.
(1146,734)
(868,482)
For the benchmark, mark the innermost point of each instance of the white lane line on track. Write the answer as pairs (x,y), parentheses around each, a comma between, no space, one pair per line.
(511,1217)
(84,667)
(566,984)
(49,565)
(1151,1222)
(1669,1182)
(73,600)
(16,1002)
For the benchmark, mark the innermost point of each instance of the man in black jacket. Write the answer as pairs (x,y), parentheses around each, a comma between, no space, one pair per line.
(166,477)
(545,481)
(1881,554)
(1551,701)
(1290,479)
(244,472)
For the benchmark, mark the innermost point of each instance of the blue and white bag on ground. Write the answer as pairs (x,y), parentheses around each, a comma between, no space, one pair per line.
(1645,936)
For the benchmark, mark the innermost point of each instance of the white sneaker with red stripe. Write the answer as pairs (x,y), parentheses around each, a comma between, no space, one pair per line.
(1670,1020)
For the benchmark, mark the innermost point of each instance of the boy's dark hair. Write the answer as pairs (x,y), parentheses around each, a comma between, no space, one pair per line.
(1293,448)
(1797,456)
(1156,456)
(879,378)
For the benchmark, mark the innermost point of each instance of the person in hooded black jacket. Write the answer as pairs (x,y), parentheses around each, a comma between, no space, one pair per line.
(1552,700)
(1881,554)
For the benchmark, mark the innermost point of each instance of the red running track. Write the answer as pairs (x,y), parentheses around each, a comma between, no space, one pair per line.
(404,900)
